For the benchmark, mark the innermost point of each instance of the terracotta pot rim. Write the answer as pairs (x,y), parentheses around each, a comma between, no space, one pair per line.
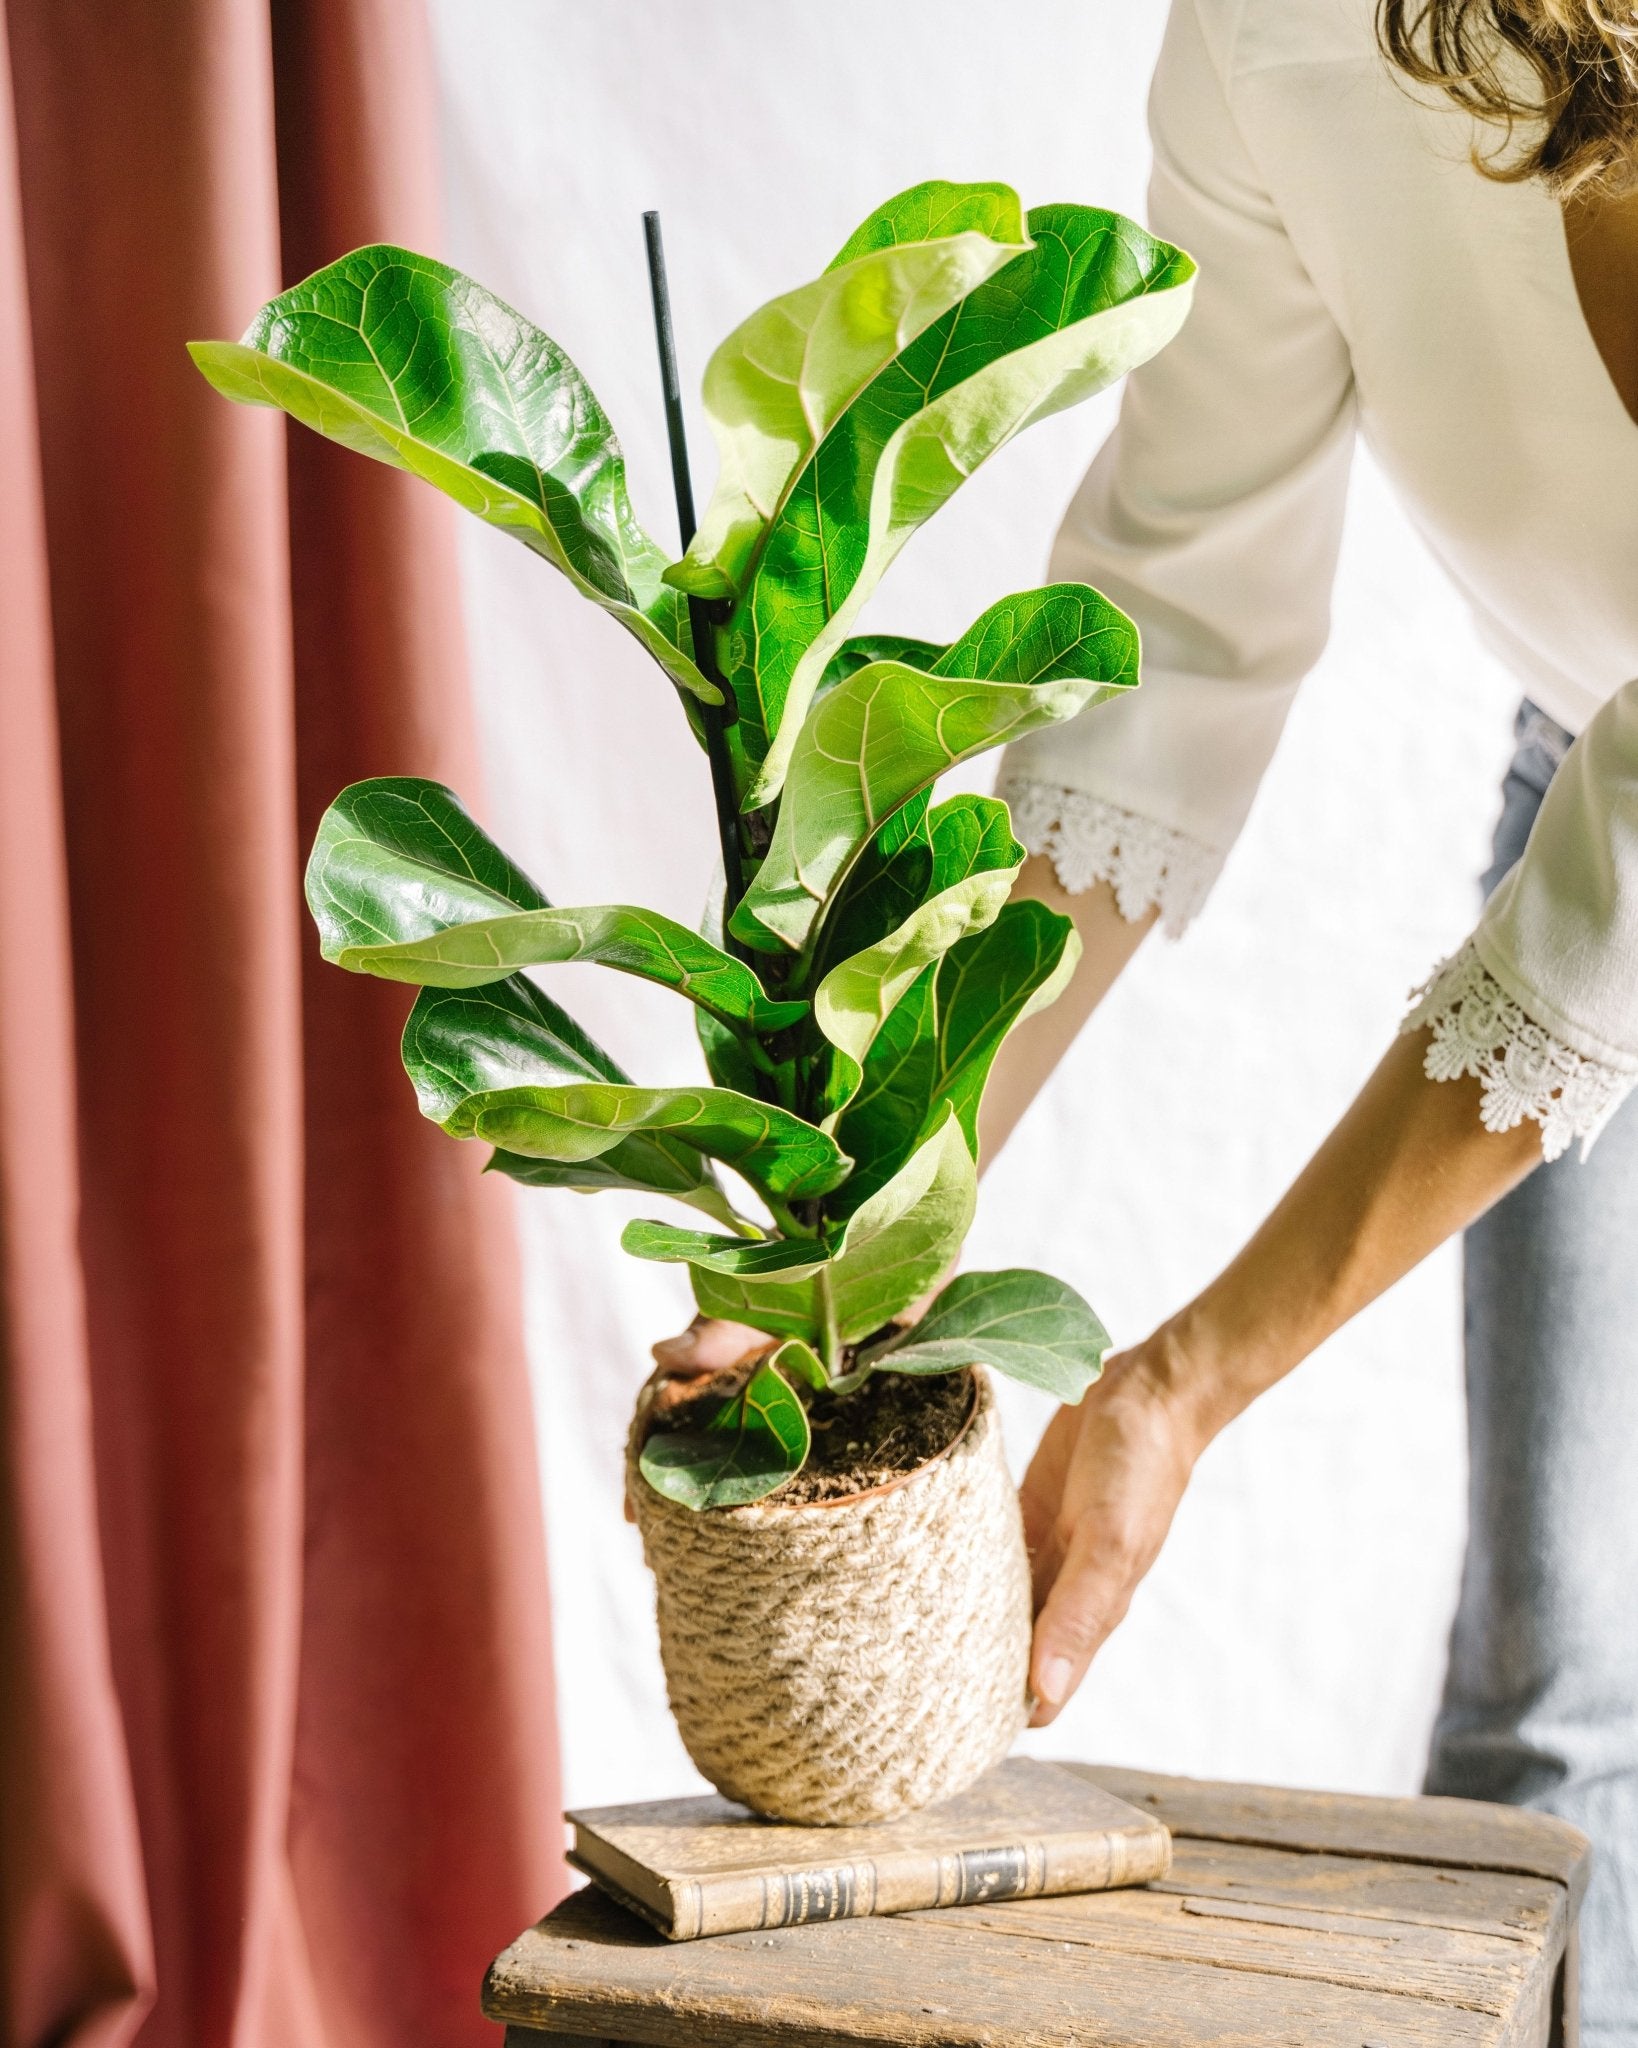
(975,1404)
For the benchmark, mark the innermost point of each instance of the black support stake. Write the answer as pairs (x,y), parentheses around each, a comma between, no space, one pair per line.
(713,717)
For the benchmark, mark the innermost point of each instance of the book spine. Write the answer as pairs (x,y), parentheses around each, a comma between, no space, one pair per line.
(748,1901)
(1125,1856)
(910,1881)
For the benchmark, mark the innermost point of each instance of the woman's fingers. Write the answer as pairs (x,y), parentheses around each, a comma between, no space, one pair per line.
(1101,1496)
(705,1347)
(708,1345)
(1088,1598)
(1041,1497)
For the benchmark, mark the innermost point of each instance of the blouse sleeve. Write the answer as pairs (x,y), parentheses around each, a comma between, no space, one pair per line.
(1541,1004)
(1212,516)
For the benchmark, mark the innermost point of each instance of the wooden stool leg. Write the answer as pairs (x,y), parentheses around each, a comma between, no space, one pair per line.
(1567,1995)
(531,2037)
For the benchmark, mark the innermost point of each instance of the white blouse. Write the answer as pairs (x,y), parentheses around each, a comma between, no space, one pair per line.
(1358,274)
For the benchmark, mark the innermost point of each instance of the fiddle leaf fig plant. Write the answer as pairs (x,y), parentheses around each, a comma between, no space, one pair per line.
(850,1003)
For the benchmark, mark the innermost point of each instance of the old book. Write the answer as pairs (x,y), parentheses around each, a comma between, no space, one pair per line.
(1026,1829)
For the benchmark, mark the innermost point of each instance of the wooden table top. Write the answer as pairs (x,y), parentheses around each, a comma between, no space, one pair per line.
(1304,1919)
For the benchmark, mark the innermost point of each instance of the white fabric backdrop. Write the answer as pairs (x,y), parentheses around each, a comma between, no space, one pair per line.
(1293,1630)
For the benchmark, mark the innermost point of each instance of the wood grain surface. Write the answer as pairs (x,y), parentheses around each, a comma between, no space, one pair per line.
(1303,1920)
(1458,1833)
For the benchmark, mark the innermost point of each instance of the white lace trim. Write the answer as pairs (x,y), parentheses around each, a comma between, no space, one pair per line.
(1150,865)
(1522,1069)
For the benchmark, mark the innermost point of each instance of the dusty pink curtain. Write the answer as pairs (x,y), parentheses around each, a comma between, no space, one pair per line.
(277,1755)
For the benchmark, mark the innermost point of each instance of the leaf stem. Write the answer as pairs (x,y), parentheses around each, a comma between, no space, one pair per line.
(789,1224)
(851,1382)
(830,1342)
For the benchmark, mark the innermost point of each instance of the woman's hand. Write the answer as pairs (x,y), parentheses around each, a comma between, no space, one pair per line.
(1409,1163)
(705,1347)
(1098,1499)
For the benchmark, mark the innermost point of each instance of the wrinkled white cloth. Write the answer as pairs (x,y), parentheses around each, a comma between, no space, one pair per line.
(1358,274)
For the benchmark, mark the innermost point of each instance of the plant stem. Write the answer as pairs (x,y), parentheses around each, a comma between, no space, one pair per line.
(714,718)
(830,1341)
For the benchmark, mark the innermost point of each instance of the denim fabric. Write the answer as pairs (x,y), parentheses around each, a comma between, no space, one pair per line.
(1541,1696)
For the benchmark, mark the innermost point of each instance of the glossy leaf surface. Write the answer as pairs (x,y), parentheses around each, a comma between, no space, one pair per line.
(950,882)
(622,936)
(783,378)
(777,1152)
(751,1446)
(791,1258)
(1025,1324)
(864,648)
(889,730)
(405,886)
(400,858)
(892,874)
(799,1361)
(893,1248)
(403,359)
(935,1050)
(1091,299)
(463,1042)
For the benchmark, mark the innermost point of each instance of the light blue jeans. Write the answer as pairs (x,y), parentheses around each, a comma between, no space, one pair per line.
(1541,1696)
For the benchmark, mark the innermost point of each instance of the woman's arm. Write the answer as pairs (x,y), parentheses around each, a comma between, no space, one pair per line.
(1409,1164)
(1029,1054)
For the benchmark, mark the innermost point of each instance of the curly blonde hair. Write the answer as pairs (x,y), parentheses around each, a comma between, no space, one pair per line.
(1577,129)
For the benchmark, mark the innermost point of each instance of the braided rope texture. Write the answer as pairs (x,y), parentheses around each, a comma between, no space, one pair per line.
(842,1662)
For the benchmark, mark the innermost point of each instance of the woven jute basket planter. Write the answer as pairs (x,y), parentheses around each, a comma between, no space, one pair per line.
(843,1661)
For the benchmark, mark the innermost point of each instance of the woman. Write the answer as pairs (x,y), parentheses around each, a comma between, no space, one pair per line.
(1360,271)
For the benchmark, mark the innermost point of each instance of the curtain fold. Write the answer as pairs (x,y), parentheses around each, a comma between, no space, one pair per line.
(279,1762)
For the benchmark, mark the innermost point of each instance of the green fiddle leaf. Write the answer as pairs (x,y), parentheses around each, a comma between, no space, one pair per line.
(797,1360)
(971,862)
(892,875)
(935,1050)
(400,858)
(892,1249)
(918,851)
(1090,299)
(907,826)
(622,936)
(750,1447)
(781,380)
(790,1258)
(782,1157)
(403,885)
(403,359)
(889,730)
(1027,1325)
(464,1042)
(865,648)
(623,1170)
(897,1243)
(783,1306)
(933,209)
